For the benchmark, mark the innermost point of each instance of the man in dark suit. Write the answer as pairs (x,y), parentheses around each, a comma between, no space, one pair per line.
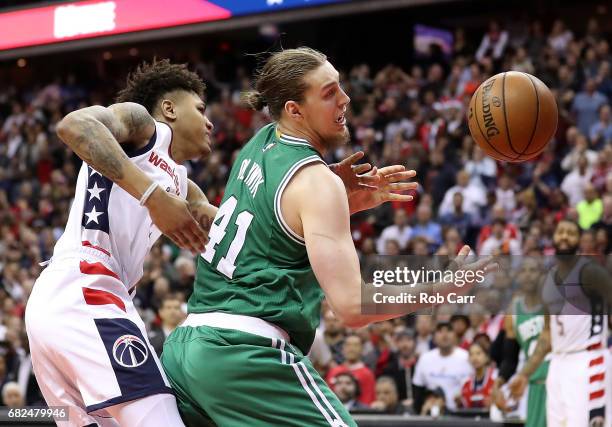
(171,315)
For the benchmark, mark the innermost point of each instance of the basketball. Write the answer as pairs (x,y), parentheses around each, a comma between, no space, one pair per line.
(512,116)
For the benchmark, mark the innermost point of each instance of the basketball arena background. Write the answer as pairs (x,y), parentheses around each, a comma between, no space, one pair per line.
(409,66)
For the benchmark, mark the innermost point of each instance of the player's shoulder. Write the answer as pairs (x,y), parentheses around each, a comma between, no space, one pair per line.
(316,176)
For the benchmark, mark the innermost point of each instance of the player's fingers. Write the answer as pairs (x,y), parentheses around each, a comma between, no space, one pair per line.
(369,179)
(388,170)
(403,186)
(394,197)
(355,157)
(366,187)
(196,235)
(179,241)
(400,176)
(361,168)
(463,253)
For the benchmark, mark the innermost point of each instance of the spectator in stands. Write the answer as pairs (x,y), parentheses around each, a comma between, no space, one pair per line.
(424,328)
(426,228)
(400,231)
(346,387)
(12,395)
(493,42)
(353,363)
(505,193)
(476,389)
(576,181)
(601,131)
(473,196)
(482,169)
(498,243)
(401,363)
(444,367)
(171,315)
(605,223)
(320,354)
(461,326)
(586,106)
(334,335)
(458,219)
(559,37)
(387,399)
(590,209)
(581,148)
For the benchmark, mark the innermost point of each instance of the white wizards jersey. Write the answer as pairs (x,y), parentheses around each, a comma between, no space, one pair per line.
(105,217)
(577,320)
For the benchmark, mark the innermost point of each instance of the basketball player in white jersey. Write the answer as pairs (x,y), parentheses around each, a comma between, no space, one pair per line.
(575,295)
(89,346)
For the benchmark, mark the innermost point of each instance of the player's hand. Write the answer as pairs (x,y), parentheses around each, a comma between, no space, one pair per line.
(517,386)
(390,183)
(204,213)
(498,398)
(352,174)
(172,216)
(486,264)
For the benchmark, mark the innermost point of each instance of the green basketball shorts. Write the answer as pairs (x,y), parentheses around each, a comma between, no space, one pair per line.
(228,377)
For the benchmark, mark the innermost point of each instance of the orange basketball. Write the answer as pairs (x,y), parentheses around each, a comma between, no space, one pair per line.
(512,116)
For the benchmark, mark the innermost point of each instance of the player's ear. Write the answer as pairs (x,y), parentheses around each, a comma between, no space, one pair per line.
(168,109)
(292,109)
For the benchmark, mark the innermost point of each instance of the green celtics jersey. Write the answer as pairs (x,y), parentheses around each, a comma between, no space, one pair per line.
(528,324)
(254,264)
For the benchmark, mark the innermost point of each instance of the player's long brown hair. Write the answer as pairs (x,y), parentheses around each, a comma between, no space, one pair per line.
(281,79)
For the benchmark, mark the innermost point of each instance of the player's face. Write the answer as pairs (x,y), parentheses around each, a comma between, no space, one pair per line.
(529,275)
(324,106)
(193,126)
(566,238)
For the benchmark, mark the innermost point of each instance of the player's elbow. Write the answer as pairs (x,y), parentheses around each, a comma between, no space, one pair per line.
(350,315)
(68,128)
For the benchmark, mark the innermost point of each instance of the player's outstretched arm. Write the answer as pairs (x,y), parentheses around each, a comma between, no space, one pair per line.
(318,199)
(94,134)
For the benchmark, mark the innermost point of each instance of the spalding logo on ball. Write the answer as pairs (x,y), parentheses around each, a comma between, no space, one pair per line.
(512,116)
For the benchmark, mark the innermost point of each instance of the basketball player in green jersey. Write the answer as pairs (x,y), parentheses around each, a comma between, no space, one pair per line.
(280,240)
(523,328)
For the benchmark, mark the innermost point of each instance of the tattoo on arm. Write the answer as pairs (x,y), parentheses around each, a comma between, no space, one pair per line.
(94,134)
(91,144)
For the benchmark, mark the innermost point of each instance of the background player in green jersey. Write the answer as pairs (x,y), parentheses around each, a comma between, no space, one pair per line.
(280,241)
(523,328)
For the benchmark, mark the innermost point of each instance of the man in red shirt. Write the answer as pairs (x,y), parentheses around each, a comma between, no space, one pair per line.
(352,350)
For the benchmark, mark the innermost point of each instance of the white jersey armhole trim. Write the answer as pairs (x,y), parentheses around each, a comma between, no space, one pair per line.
(279,192)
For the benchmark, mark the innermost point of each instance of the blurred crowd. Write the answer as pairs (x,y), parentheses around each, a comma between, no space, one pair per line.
(426,364)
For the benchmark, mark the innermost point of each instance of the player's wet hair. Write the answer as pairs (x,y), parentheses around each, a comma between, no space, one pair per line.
(281,79)
(151,81)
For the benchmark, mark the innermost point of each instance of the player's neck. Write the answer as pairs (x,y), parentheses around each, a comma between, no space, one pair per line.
(290,129)
(532,301)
